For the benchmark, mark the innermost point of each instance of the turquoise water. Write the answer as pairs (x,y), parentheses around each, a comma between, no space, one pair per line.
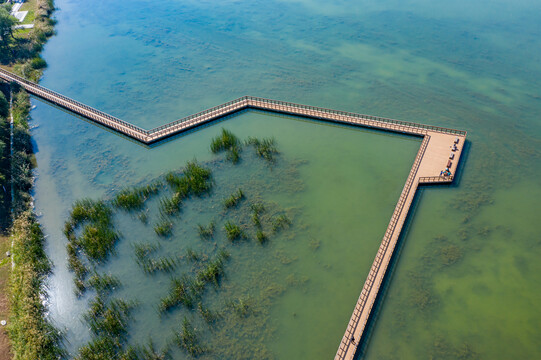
(467,281)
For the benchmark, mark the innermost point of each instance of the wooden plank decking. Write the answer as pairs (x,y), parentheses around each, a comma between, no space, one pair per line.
(431,159)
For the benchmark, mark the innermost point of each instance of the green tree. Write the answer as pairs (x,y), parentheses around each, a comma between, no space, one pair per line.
(4,106)
(7,22)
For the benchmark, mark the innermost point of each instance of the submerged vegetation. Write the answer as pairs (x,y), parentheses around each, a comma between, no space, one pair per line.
(150,265)
(108,322)
(195,180)
(206,232)
(228,142)
(233,231)
(233,199)
(163,228)
(187,339)
(264,148)
(97,239)
(92,238)
(280,222)
(131,199)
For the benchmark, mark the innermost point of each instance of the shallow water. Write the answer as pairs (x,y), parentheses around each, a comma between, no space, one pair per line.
(467,281)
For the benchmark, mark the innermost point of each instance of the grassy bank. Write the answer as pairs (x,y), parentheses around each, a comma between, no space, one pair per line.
(31,335)
(20,50)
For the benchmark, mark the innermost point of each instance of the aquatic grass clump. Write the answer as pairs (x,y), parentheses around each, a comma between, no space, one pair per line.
(280,222)
(108,323)
(257,210)
(228,142)
(183,291)
(187,339)
(148,352)
(233,231)
(261,237)
(103,283)
(233,199)
(170,206)
(109,319)
(195,180)
(163,228)
(100,348)
(214,270)
(198,178)
(97,241)
(192,255)
(151,265)
(89,210)
(241,307)
(130,199)
(143,216)
(206,232)
(208,315)
(264,148)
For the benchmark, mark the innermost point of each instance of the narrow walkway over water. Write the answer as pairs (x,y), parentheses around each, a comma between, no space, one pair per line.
(441,148)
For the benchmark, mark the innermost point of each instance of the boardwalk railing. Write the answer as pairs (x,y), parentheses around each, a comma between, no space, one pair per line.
(78,107)
(436,179)
(191,121)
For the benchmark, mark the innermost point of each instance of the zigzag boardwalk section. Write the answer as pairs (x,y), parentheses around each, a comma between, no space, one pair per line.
(433,156)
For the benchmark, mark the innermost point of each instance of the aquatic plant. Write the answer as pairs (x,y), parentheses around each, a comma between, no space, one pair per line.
(149,352)
(233,231)
(228,142)
(264,148)
(143,216)
(109,319)
(261,237)
(206,232)
(195,180)
(183,291)
(86,209)
(192,255)
(241,307)
(187,339)
(233,154)
(450,254)
(257,210)
(208,315)
(103,283)
(130,199)
(170,206)
(214,269)
(143,253)
(280,222)
(100,348)
(108,323)
(198,178)
(233,199)
(163,228)
(97,241)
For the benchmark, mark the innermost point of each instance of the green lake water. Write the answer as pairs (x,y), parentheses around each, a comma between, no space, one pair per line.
(467,283)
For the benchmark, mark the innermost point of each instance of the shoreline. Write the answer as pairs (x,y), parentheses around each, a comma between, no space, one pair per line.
(27,334)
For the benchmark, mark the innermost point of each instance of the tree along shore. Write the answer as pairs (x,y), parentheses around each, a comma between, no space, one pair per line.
(30,334)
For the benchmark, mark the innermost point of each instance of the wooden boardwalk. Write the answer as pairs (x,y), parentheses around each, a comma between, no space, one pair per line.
(433,156)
